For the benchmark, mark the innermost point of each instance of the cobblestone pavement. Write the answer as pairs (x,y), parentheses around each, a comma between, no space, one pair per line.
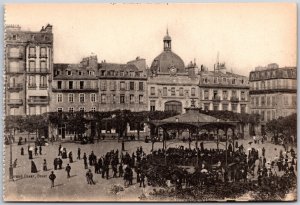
(36,187)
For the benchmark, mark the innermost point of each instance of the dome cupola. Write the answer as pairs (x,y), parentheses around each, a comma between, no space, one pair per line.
(167,61)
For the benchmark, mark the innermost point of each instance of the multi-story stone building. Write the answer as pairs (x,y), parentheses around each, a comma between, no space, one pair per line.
(123,86)
(273,92)
(171,85)
(75,86)
(222,90)
(28,68)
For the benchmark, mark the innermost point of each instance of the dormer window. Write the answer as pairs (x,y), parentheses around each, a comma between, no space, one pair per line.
(69,72)
(14,37)
(32,37)
(79,73)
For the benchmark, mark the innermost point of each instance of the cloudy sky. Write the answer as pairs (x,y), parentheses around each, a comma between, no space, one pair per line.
(245,35)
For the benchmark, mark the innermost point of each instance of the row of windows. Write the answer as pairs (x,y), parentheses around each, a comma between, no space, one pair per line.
(71,97)
(75,72)
(273,100)
(32,66)
(72,85)
(16,52)
(216,80)
(103,99)
(120,73)
(225,94)
(274,84)
(172,91)
(225,107)
(122,99)
(71,109)
(122,85)
(274,73)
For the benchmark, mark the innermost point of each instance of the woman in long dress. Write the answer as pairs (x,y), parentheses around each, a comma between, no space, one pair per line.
(33,167)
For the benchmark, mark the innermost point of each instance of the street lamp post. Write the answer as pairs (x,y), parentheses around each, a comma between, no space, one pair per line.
(11,170)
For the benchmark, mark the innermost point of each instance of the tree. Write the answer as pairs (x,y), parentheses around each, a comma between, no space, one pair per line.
(76,122)
(13,123)
(99,117)
(34,123)
(286,126)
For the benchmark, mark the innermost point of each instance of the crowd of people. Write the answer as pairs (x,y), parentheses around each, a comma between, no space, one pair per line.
(179,165)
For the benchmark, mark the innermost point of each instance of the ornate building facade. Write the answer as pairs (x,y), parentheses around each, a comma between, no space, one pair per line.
(222,90)
(171,85)
(273,92)
(28,69)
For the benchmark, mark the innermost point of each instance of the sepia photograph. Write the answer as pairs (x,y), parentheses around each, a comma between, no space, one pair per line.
(161,102)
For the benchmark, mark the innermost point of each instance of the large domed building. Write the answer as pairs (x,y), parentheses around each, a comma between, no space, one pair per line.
(171,85)
(167,61)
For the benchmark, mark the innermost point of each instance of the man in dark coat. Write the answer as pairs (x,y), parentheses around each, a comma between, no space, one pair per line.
(89,177)
(55,163)
(85,161)
(68,169)
(263,151)
(40,150)
(52,178)
(22,151)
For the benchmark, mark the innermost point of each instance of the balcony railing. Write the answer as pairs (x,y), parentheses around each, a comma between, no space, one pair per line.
(43,55)
(234,99)
(74,89)
(32,86)
(34,101)
(14,101)
(43,85)
(18,86)
(32,55)
(35,70)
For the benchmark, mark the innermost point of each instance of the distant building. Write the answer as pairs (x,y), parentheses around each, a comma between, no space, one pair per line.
(28,69)
(222,90)
(273,92)
(171,85)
